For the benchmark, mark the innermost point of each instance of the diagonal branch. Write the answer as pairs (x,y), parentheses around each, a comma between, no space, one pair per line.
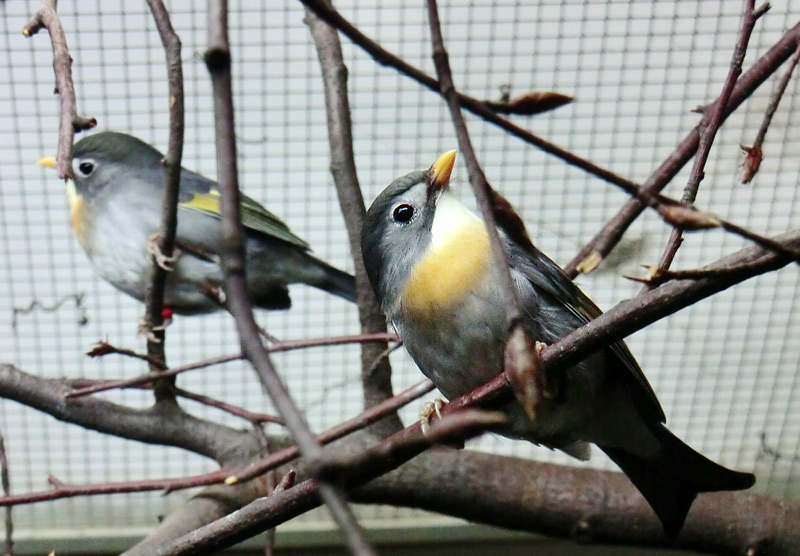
(606,239)
(382,56)
(477,178)
(376,373)
(218,62)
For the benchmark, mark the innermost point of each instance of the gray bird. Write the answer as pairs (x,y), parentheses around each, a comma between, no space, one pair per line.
(115,201)
(429,261)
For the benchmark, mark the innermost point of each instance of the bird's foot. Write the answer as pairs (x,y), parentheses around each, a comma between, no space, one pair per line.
(427,412)
(165,262)
(144,328)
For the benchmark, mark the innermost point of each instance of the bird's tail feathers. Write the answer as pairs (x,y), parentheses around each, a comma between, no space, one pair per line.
(671,480)
(330,279)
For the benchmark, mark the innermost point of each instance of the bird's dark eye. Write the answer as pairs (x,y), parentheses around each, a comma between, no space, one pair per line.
(403,214)
(86,167)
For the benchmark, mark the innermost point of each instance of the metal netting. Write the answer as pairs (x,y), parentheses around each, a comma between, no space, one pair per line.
(725,370)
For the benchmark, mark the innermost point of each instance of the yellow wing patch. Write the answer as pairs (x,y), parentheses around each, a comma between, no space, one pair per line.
(448,272)
(208,202)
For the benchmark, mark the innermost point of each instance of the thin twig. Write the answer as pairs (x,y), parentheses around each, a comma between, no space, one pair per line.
(710,127)
(164,241)
(269,485)
(754,153)
(218,62)
(477,107)
(287,345)
(477,178)
(607,238)
(255,418)
(6,483)
(376,374)
(103,348)
(71,122)
(656,277)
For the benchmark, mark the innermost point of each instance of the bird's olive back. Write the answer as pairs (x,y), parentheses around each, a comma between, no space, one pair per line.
(396,232)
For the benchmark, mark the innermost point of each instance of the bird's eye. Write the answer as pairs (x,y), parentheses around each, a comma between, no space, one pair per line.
(403,214)
(85,168)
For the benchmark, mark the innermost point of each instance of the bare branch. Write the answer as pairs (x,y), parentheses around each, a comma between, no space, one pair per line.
(286,345)
(4,479)
(167,426)
(218,62)
(229,475)
(254,418)
(164,242)
(754,153)
(103,348)
(606,239)
(709,128)
(477,107)
(71,122)
(376,373)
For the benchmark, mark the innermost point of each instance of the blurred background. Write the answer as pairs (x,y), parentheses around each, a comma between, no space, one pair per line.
(725,370)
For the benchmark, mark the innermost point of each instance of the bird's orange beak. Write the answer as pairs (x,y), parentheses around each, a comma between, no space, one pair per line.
(49,161)
(441,169)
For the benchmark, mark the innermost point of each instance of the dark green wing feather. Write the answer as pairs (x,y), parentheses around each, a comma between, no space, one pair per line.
(200,194)
(549,279)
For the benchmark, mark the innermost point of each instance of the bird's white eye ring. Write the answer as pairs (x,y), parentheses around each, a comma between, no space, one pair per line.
(403,214)
(84,167)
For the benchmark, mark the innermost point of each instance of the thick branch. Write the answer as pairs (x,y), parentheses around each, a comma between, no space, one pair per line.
(167,425)
(376,373)
(581,504)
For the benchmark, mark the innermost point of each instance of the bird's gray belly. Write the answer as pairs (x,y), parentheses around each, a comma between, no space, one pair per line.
(461,348)
(464,348)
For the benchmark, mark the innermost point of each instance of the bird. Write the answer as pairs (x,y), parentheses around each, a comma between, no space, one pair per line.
(115,202)
(429,261)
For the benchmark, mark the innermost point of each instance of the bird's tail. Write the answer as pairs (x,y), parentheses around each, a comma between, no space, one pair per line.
(671,480)
(332,280)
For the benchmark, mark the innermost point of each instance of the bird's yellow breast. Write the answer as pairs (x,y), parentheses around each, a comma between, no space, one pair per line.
(76,212)
(448,271)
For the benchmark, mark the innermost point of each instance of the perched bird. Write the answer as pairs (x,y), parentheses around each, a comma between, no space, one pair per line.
(429,260)
(116,199)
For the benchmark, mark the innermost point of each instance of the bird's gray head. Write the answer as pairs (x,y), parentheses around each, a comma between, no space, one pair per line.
(397,229)
(111,160)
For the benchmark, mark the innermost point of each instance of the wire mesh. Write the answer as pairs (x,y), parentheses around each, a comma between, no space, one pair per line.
(725,370)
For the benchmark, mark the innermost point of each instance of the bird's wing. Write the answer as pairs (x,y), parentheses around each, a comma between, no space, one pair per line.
(559,292)
(199,194)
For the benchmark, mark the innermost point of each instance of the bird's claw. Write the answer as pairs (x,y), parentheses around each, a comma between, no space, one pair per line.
(144,328)
(165,262)
(428,410)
